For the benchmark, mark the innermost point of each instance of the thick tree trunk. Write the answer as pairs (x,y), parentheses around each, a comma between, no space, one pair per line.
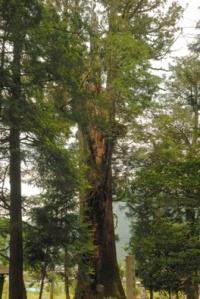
(1,285)
(99,215)
(104,261)
(98,138)
(108,273)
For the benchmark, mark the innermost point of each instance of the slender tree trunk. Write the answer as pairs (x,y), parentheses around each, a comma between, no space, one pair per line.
(99,216)
(66,276)
(16,284)
(42,282)
(195,133)
(192,286)
(16,288)
(192,292)
(151,293)
(1,285)
(192,289)
(67,293)
(52,289)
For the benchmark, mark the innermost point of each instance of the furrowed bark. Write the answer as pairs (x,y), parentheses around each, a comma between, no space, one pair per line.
(98,214)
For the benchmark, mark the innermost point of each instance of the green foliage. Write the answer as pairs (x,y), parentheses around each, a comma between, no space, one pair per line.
(163,197)
(45,240)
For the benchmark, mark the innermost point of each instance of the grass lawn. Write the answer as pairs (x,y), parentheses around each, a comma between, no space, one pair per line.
(35,296)
(31,295)
(45,296)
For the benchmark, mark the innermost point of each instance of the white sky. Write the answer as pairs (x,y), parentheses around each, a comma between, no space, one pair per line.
(188,23)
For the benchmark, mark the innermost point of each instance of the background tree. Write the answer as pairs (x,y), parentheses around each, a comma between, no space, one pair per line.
(16,19)
(29,45)
(165,189)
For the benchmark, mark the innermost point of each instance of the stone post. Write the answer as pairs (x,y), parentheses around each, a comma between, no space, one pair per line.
(130,277)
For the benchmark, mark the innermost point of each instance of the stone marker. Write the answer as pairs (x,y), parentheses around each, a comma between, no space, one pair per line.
(130,277)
